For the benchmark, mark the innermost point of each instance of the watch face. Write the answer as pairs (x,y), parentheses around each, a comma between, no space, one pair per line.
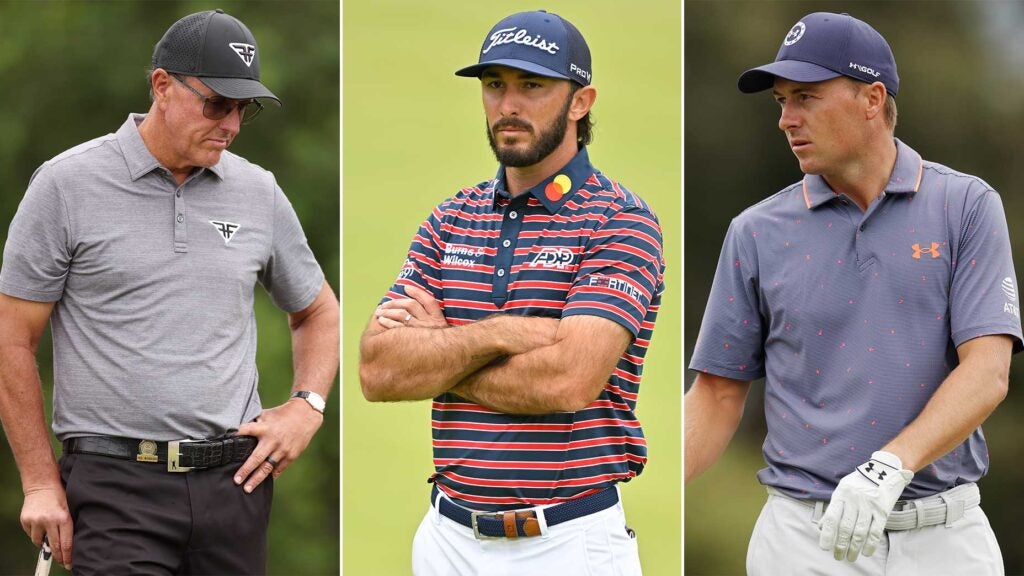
(315,400)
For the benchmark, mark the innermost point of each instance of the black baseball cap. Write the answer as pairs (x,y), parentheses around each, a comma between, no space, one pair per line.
(218,49)
(822,46)
(539,42)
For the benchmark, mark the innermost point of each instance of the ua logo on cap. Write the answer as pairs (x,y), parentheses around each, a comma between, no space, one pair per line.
(226,229)
(247,52)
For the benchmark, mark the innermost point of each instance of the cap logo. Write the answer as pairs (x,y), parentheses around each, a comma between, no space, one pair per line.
(865,69)
(520,36)
(579,71)
(247,52)
(795,34)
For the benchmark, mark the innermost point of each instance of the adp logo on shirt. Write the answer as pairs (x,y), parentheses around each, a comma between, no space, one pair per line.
(559,258)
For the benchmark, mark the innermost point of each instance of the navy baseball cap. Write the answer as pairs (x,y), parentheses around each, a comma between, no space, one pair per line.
(822,46)
(539,42)
(216,48)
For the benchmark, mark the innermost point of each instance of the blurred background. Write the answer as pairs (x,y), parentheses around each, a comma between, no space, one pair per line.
(72,71)
(413,136)
(960,104)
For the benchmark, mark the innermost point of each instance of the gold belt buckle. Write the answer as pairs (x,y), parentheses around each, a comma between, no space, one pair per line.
(174,453)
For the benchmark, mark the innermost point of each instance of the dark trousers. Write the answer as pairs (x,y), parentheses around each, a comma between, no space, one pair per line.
(137,518)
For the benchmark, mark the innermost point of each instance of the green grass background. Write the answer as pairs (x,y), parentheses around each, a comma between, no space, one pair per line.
(413,134)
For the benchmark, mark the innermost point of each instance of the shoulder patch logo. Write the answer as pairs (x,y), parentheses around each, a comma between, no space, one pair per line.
(933,250)
(226,229)
(247,52)
(1009,290)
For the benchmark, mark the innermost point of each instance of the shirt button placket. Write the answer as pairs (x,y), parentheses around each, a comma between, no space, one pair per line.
(180,227)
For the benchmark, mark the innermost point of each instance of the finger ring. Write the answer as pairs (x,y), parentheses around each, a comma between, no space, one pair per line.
(272,462)
(408,317)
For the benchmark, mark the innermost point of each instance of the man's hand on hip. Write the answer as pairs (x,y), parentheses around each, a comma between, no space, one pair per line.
(860,506)
(45,513)
(283,433)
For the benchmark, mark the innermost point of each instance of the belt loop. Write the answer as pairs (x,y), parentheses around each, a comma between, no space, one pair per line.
(819,511)
(437,506)
(954,509)
(919,508)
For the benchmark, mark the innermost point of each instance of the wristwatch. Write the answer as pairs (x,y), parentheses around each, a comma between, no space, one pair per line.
(315,400)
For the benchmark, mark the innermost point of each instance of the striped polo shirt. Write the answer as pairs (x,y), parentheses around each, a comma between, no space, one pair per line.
(854,318)
(577,243)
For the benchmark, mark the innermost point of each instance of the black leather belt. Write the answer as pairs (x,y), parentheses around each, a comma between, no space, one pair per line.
(519,523)
(180,455)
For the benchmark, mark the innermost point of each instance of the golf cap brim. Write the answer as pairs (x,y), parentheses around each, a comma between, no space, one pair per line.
(239,88)
(476,70)
(763,77)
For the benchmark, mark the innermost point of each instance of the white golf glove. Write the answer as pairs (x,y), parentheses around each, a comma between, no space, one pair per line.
(860,506)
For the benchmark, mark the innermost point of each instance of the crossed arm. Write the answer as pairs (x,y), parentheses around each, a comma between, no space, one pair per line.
(512,364)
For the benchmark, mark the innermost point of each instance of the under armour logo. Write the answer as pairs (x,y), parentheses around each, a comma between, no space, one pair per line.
(247,52)
(881,475)
(934,251)
(870,468)
(226,229)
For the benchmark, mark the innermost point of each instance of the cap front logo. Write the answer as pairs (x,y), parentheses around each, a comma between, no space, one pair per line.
(795,34)
(247,52)
(522,36)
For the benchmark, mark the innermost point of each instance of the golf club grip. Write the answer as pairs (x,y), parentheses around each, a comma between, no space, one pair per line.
(45,559)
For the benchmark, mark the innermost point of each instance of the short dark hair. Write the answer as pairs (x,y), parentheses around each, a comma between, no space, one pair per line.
(585,125)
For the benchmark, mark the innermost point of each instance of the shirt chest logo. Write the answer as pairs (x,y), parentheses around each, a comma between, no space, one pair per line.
(932,250)
(559,258)
(227,229)
(461,256)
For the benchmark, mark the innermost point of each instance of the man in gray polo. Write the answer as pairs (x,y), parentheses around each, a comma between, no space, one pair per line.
(877,297)
(143,248)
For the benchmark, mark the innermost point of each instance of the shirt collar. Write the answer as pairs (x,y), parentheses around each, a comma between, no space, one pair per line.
(139,159)
(905,178)
(557,189)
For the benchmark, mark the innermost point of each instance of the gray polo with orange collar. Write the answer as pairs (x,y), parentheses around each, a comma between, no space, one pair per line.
(154,333)
(854,318)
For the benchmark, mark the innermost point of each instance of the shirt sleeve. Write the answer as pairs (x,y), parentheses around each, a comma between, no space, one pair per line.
(621,270)
(731,340)
(422,266)
(984,298)
(291,275)
(38,251)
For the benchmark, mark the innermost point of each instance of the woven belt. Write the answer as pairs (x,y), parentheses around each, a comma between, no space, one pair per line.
(523,523)
(943,508)
(180,455)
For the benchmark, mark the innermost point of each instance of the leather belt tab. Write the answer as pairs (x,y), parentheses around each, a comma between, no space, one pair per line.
(513,524)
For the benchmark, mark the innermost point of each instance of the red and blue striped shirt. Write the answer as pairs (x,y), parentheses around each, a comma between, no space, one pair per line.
(577,243)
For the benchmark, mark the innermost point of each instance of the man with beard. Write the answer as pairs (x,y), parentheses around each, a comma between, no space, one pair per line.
(524,309)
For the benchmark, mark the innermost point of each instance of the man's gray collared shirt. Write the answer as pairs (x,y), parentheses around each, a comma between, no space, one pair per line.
(153,328)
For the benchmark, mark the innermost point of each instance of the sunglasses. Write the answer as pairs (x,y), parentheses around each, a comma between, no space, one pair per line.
(217,107)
